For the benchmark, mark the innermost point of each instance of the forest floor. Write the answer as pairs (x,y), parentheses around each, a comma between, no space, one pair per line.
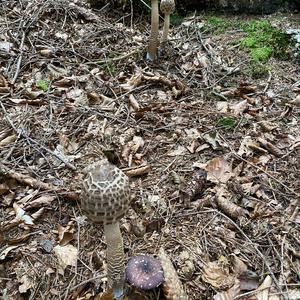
(211,147)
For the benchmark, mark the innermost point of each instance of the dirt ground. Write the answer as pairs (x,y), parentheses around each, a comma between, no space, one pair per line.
(212,154)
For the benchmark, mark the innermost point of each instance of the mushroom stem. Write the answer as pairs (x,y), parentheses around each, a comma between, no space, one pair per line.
(166,28)
(115,259)
(153,40)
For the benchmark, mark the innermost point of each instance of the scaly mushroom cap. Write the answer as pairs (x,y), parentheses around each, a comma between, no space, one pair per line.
(167,6)
(105,193)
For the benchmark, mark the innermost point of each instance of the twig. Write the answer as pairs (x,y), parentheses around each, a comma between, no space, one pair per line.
(19,59)
(87,281)
(35,183)
(260,169)
(22,133)
(105,61)
(246,238)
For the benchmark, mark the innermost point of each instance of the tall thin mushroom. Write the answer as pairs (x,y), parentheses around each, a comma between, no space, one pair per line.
(105,200)
(167,7)
(153,40)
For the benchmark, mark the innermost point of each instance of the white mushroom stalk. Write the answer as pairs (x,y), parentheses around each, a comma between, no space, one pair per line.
(167,7)
(153,40)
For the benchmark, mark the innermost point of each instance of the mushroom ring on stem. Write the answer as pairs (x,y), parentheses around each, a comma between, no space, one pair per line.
(167,7)
(153,40)
(105,200)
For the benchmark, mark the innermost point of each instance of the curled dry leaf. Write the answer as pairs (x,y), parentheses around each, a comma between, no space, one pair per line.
(229,208)
(267,290)
(134,103)
(44,200)
(296,101)
(239,107)
(21,215)
(217,275)
(270,147)
(8,140)
(65,234)
(139,171)
(5,252)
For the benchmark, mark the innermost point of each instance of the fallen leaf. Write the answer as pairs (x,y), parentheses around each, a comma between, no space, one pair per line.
(44,200)
(65,234)
(21,215)
(67,256)
(179,151)
(266,290)
(230,294)
(215,141)
(218,170)
(5,252)
(217,275)
(223,199)
(8,140)
(26,283)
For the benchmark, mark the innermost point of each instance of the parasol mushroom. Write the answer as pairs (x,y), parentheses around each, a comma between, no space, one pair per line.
(167,7)
(105,200)
(153,40)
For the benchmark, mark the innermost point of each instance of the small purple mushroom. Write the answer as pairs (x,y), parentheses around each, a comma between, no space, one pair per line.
(144,272)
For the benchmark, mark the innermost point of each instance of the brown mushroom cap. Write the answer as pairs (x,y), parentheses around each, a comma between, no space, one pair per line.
(105,193)
(144,272)
(167,6)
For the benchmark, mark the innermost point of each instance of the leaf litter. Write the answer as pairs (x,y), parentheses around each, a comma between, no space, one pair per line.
(212,153)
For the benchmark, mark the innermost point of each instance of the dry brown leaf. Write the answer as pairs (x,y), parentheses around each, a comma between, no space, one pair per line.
(179,151)
(266,290)
(44,200)
(65,234)
(138,171)
(224,202)
(26,283)
(68,145)
(270,147)
(67,256)
(5,252)
(296,101)
(239,107)
(8,140)
(230,294)
(134,103)
(21,215)
(214,140)
(4,188)
(219,170)
(133,82)
(217,275)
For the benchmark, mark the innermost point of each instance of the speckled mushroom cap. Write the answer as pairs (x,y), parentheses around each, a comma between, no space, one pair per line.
(105,192)
(167,6)
(144,272)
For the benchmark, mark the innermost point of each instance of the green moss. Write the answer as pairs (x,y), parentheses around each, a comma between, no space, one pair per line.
(227,122)
(42,85)
(219,25)
(263,41)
